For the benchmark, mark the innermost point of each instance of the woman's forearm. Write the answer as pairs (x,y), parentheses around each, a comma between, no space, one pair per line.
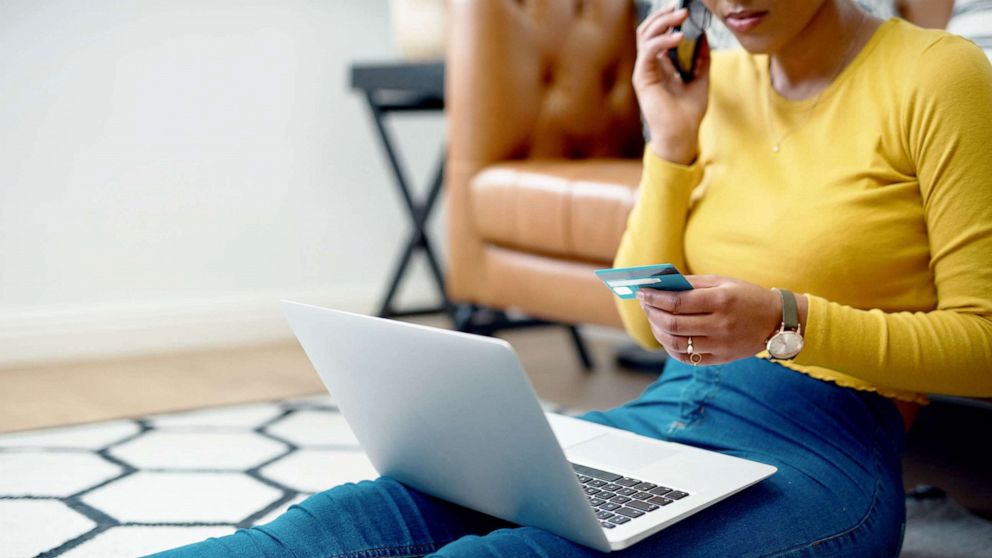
(942,351)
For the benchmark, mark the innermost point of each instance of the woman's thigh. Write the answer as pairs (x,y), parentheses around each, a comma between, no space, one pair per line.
(370,518)
(837,492)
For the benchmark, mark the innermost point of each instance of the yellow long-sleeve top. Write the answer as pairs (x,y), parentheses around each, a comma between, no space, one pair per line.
(878,206)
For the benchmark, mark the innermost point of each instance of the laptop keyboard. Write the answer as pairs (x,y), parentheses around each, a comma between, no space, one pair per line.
(618,499)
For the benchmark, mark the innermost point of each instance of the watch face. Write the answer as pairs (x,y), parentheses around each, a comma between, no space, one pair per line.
(785,344)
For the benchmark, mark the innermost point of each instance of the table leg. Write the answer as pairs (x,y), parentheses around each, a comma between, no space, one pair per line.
(419,212)
(418,240)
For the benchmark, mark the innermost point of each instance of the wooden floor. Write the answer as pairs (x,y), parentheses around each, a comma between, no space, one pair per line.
(99,390)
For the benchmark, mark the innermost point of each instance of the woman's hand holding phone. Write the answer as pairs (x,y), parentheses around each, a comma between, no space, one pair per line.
(672,109)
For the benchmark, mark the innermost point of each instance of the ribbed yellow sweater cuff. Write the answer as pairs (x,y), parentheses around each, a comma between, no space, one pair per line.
(816,334)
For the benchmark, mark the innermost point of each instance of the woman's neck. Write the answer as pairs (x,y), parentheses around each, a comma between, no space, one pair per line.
(805,66)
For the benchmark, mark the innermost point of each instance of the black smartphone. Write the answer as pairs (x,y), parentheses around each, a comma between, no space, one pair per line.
(685,57)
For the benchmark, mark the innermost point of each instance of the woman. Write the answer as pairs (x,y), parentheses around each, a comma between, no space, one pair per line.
(857,176)
(925,13)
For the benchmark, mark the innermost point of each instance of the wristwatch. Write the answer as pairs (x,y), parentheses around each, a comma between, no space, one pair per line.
(786,343)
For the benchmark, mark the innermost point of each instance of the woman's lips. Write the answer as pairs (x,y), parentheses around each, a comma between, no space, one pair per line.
(742,22)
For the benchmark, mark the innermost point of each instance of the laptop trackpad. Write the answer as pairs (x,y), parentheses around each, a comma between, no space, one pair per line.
(621,452)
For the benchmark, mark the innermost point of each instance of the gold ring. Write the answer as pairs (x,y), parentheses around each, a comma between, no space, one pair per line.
(694,357)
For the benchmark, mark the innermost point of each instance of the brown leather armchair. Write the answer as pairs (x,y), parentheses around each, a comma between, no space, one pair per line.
(544,156)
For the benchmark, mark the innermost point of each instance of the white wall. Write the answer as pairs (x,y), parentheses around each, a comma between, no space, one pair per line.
(169,169)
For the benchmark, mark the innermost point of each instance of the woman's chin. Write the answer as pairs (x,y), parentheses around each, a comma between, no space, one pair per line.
(756,45)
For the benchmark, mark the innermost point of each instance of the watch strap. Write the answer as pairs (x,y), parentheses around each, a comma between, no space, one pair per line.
(790,312)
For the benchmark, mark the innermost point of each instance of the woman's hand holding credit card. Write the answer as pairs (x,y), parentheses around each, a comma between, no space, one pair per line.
(726,319)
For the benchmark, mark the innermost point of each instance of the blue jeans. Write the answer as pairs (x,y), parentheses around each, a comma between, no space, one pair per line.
(838,490)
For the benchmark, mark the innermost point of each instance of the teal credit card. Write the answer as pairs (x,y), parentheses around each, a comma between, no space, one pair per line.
(625,281)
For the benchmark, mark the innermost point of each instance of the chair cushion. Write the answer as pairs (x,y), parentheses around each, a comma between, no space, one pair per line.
(559,207)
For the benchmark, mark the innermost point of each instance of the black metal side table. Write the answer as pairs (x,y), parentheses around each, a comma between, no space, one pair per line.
(406,87)
(418,87)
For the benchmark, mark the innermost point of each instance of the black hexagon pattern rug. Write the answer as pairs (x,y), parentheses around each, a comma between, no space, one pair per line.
(131,487)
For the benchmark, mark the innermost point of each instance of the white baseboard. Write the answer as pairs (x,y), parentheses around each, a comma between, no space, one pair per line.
(36,336)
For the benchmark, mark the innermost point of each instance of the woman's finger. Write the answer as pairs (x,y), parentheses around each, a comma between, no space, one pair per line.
(650,64)
(667,67)
(696,301)
(654,46)
(705,281)
(653,17)
(680,344)
(677,324)
(661,24)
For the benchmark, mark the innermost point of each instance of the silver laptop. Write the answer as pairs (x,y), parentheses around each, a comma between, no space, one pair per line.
(454,415)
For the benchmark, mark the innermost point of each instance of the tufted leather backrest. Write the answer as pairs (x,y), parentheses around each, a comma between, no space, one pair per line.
(532,79)
(542,78)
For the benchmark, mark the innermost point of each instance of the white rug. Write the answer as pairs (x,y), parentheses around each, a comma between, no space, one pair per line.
(133,487)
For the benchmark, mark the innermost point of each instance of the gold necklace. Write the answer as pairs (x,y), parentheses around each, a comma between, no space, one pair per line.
(777,144)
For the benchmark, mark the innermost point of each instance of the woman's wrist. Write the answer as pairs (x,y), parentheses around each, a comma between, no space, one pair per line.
(677,152)
(802,308)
